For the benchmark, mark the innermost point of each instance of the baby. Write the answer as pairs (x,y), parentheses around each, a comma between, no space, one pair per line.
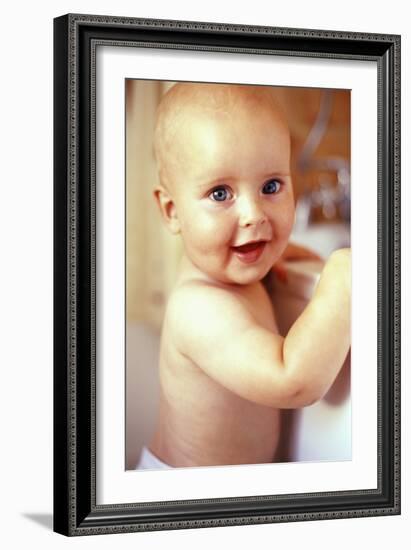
(223,153)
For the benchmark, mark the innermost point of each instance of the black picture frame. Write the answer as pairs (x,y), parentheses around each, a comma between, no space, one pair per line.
(75,508)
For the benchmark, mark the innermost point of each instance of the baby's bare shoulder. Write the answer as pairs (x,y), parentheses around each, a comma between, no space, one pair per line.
(199,296)
(195,307)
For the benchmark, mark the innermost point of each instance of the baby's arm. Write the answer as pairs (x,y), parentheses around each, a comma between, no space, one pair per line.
(214,329)
(319,340)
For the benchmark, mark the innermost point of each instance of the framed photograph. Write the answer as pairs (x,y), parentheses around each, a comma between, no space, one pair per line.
(211,184)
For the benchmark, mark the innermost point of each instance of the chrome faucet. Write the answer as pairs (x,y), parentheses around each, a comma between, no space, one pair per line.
(331,198)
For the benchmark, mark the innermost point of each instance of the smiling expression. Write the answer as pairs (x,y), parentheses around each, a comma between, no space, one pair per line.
(229,190)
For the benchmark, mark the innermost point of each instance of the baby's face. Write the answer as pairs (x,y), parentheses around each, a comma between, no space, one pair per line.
(232,192)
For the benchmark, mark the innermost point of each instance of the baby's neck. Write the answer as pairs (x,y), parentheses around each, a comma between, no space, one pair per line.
(188,271)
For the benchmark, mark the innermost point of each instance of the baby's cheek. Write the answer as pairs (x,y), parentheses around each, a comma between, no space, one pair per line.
(214,230)
(286,221)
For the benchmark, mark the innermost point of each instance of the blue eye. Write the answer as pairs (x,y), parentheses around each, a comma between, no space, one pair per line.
(271,186)
(219,194)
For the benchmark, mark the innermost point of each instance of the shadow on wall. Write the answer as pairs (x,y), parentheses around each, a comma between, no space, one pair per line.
(142,388)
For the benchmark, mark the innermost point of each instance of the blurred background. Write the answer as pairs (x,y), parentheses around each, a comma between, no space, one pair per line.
(319,121)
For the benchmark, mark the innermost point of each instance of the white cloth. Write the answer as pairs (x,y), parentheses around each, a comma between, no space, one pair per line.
(150,462)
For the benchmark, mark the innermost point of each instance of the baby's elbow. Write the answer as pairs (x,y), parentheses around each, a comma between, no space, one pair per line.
(304,395)
(310,398)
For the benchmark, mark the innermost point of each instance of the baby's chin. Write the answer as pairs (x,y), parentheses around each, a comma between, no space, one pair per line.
(241,277)
(249,278)
(233,273)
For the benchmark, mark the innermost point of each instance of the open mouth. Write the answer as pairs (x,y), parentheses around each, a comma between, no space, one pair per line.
(250,252)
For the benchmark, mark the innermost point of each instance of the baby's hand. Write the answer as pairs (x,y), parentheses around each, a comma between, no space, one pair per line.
(338,268)
(293,252)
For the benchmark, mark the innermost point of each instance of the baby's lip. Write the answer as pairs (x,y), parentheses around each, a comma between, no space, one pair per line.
(249,252)
(249,244)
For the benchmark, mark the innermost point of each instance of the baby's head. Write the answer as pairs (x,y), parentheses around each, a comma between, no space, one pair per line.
(223,153)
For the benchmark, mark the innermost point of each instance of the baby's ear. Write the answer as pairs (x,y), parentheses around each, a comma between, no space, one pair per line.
(167,208)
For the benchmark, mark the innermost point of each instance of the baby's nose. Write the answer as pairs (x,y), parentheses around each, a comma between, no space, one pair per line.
(251,213)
